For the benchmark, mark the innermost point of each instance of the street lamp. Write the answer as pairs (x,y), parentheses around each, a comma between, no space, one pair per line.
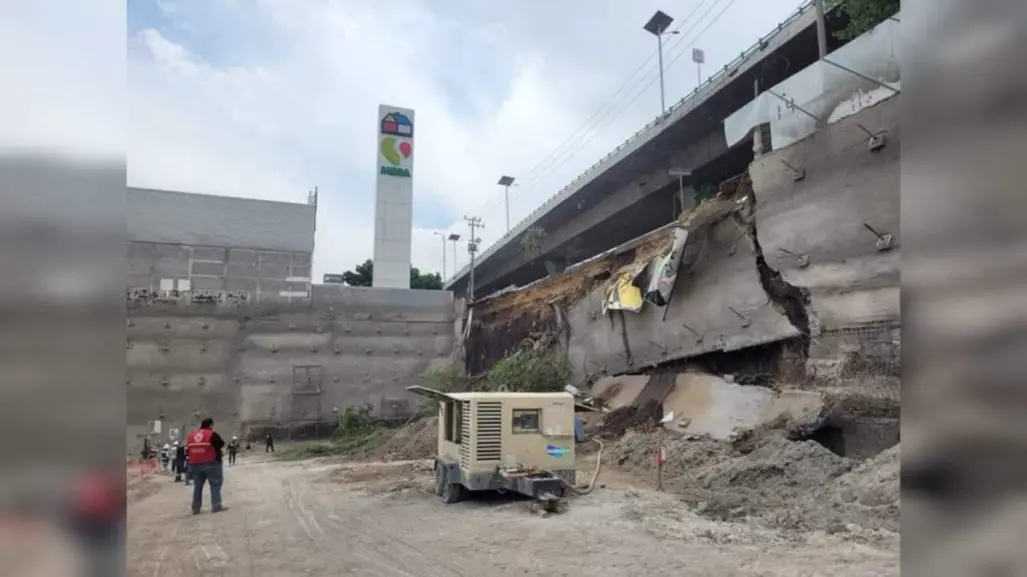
(442,235)
(454,237)
(681,173)
(657,26)
(506,182)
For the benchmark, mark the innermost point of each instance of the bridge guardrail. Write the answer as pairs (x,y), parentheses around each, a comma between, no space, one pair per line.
(727,70)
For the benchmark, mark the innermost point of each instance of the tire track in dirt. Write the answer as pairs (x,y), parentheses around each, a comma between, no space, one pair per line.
(372,534)
(307,520)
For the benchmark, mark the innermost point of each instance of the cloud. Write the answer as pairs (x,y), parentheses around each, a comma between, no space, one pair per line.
(65,96)
(269,98)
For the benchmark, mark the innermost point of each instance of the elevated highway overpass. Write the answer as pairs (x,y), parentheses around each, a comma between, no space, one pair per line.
(631,191)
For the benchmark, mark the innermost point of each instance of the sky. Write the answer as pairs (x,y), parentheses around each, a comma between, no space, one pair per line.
(270,98)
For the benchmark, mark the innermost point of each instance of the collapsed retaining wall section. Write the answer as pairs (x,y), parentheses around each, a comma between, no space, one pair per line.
(283,365)
(718,304)
(816,231)
(813,260)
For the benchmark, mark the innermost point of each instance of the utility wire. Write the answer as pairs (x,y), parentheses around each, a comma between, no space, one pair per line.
(605,120)
(653,79)
(606,107)
(600,113)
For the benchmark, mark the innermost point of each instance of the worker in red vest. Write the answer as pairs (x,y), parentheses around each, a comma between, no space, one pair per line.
(204,453)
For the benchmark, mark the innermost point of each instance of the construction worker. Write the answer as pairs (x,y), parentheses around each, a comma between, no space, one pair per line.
(203,448)
(233,449)
(269,443)
(179,462)
(165,458)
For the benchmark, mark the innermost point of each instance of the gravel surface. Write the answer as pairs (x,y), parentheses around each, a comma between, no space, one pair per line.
(380,519)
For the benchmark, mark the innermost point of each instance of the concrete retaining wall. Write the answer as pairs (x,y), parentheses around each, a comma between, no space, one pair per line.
(723,278)
(243,273)
(284,364)
(825,215)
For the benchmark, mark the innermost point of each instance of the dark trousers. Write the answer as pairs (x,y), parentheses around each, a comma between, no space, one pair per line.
(269,448)
(231,457)
(202,473)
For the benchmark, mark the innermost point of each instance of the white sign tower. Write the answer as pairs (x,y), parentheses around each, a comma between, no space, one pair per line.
(394,197)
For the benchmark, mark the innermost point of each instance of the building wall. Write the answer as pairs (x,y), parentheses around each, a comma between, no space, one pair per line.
(242,272)
(272,364)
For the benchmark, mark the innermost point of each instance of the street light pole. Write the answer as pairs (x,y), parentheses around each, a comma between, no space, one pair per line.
(442,236)
(454,237)
(681,174)
(659,44)
(657,26)
(506,182)
(818,6)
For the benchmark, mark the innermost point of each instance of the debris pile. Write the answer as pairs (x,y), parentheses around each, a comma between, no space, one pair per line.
(768,477)
(415,440)
(617,422)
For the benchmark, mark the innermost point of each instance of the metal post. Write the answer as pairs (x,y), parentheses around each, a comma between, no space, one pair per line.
(444,275)
(470,280)
(659,458)
(454,258)
(506,194)
(472,248)
(818,5)
(681,191)
(659,43)
(442,235)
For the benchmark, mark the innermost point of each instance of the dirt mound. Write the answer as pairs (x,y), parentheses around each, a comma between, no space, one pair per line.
(776,476)
(865,498)
(416,440)
(618,422)
(783,483)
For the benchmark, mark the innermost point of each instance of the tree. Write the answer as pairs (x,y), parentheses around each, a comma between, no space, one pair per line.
(363,273)
(426,281)
(864,15)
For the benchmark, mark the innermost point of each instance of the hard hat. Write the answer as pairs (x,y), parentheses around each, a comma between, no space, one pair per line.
(233,437)
(167,446)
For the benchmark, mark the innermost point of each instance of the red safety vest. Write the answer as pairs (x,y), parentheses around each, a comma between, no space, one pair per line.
(199,448)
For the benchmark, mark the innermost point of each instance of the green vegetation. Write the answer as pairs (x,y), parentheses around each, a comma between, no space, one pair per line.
(362,274)
(530,371)
(357,433)
(864,15)
(448,379)
(703,192)
(525,370)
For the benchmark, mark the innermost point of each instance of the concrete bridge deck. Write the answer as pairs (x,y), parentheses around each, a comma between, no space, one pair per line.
(630,192)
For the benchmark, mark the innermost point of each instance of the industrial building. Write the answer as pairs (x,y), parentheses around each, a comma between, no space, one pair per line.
(256,250)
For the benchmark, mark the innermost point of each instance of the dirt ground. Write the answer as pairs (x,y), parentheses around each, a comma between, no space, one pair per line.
(321,517)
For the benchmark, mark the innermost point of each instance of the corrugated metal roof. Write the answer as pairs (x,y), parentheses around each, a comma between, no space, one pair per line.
(208,220)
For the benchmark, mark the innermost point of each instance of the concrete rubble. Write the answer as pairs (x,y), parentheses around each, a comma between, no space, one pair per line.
(707,405)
